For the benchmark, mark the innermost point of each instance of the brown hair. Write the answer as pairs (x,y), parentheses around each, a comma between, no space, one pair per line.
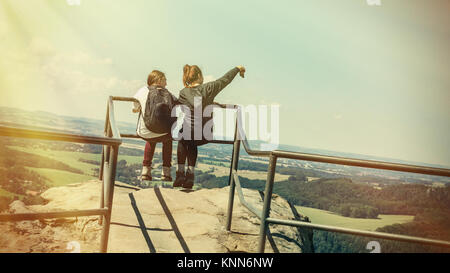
(155,77)
(192,74)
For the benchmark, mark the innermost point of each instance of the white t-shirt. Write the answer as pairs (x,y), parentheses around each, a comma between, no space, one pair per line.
(142,130)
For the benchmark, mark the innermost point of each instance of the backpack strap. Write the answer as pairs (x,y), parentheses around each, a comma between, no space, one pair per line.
(139,118)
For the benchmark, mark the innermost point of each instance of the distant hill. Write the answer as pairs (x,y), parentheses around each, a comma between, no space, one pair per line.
(350,155)
(41,119)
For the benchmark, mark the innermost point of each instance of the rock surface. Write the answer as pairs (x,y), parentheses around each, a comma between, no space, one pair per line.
(199,217)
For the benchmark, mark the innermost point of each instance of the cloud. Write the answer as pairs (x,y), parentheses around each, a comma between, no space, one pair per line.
(61,76)
(77,72)
(40,76)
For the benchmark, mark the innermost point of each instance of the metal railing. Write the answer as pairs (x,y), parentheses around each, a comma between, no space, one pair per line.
(113,140)
(110,149)
(264,215)
(108,163)
(110,142)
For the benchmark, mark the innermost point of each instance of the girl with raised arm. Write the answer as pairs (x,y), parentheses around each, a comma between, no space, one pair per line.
(195,90)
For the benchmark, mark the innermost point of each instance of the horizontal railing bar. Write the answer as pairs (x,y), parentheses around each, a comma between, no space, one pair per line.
(373,234)
(129,136)
(118,98)
(48,135)
(51,215)
(342,160)
(221,141)
(363,163)
(242,198)
(327,159)
(254,152)
(212,141)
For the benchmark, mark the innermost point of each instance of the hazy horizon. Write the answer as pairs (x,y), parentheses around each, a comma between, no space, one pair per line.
(300,147)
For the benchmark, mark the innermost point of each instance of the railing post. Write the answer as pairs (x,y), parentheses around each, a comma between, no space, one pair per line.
(234,167)
(109,194)
(100,172)
(104,166)
(107,133)
(267,200)
(105,179)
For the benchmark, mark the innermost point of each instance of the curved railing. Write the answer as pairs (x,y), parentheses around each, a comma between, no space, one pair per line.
(274,155)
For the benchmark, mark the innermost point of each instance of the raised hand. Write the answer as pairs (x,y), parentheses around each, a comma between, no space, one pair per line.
(241,70)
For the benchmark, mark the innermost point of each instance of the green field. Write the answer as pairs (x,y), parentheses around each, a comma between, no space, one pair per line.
(324,217)
(67,157)
(72,158)
(61,178)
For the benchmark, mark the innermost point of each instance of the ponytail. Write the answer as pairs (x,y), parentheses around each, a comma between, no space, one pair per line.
(191,75)
(186,70)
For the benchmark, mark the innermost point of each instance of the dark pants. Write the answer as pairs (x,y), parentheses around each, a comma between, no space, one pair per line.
(166,151)
(187,149)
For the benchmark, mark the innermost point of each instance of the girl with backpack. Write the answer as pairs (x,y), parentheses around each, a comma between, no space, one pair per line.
(195,88)
(155,105)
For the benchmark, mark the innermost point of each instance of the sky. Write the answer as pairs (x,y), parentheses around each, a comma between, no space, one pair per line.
(346,75)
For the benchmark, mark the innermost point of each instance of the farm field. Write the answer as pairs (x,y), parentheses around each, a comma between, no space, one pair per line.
(67,157)
(324,217)
(225,171)
(60,178)
(73,158)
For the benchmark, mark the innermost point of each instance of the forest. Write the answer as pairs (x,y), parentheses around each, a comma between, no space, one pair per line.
(431,207)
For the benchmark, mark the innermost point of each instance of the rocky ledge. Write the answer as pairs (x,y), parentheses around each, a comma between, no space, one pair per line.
(171,221)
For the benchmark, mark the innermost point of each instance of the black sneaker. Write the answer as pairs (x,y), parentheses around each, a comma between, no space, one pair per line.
(179,179)
(189,182)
